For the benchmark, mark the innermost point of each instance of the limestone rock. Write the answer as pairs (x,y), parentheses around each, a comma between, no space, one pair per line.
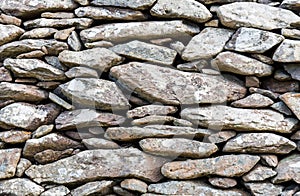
(22,166)
(256,15)
(99,44)
(9,33)
(280,86)
(222,182)
(14,136)
(20,186)
(152,120)
(282,108)
(79,23)
(259,143)
(39,33)
(49,155)
(290,4)
(169,86)
(74,41)
(288,51)
(221,136)
(27,116)
(139,5)
(253,40)
(177,147)
(5,75)
(95,93)
(57,191)
(239,64)
(269,160)
(101,59)
(151,110)
(9,159)
(293,70)
(63,34)
(253,101)
(84,166)
(33,54)
(292,100)
(226,165)
(239,119)
(99,143)
(7,19)
(94,188)
(259,173)
(208,43)
(146,52)
(81,72)
(42,131)
(291,33)
(59,101)
(57,15)
(134,185)
(264,92)
(188,9)
(266,188)
(139,30)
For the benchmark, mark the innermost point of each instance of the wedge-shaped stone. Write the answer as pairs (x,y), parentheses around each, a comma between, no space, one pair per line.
(27,116)
(139,30)
(101,59)
(188,9)
(259,173)
(20,186)
(9,159)
(84,166)
(109,13)
(34,68)
(254,100)
(239,119)
(32,7)
(288,51)
(293,70)
(259,143)
(151,110)
(9,33)
(206,44)
(96,93)
(94,188)
(79,23)
(265,188)
(56,190)
(253,40)
(39,33)
(292,100)
(13,49)
(134,133)
(177,147)
(257,15)
(170,86)
(242,65)
(21,92)
(140,5)
(146,52)
(226,165)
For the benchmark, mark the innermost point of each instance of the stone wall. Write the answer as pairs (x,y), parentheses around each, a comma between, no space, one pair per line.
(149,97)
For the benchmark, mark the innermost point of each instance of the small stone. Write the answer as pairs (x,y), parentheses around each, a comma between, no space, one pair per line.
(49,155)
(63,34)
(14,136)
(120,191)
(280,86)
(54,61)
(94,188)
(223,183)
(79,23)
(221,136)
(212,23)
(253,101)
(291,4)
(74,41)
(96,130)
(296,136)
(208,43)
(291,33)
(282,108)
(9,159)
(151,110)
(194,66)
(139,5)
(81,72)
(293,70)
(99,44)
(264,188)
(12,32)
(48,85)
(22,166)
(99,143)
(152,120)
(264,92)
(252,81)
(177,46)
(259,173)
(263,58)
(42,131)
(282,75)
(56,99)
(134,185)
(269,160)
(82,2)
(79,134)
(26,80)
(39,33)
(20,186)
(10,20)
(57,191)
(5,75)
(59,15)
(161,42)
(30,55)
(287,52)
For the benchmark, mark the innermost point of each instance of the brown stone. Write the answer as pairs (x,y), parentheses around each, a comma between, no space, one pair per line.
(5,75)
(280,86)
(134,185)
(14,136)
(224,183)
(9,159)
(49,155)
(12,32)
(266,188)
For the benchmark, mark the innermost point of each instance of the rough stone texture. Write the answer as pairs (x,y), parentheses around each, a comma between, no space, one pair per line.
(140,5)
(95,93)
(27,116)
(38,33)
(81,72)
(221,136)
(94,188)
(9,33)
(240,64)
(269,160)
(208,43)
(291,33)
(20,186)
(169,86)
(22,166)
(139,30)
(63,34)
(292,100)
(84,166)
(177,147)
(253,101)
(146,52)
(259,173)
(291,4)
(101,59)
(288,51)
(57,15)
(188,9)
(14,136)
(5,75)
(99,143)
(79,23)
(226,165)
(253,40)
(264,92)
(9,159)
(239,119)
(57,191)
(49,155)
(280,86)
(152,120)
(142,111)
(222,182)
(7,19)
(293,70)
(250,14)
(33,54)
(134,185)
(74,41)
(260,189)
(56,99)
(282,108)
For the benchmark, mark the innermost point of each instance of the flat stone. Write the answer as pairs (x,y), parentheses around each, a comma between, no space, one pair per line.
(99,44)
(194,66)
(11,20)
(84,166)
(291,33)
(146,52)
(208,43)
(14,136)
(282,108)
(48,85)
(60,15)
(152,120)
(8,162)
(39,33)
(27,116)
(296,135)
(54,61)
(263,58)
(252,81)
(223,1)
(57,191)
(5,75)
(146,110)
(280,86)
(21,92)
(59,101)
(63,34)
(221,136)
(293,70)
(51,141)
(269,160)
(291,4)
(259,173)
(22,166)
(169,86)
(240,64)
(288,169)
(99,143)
(94,188)
(253,101)
(34,68)
(20,186)
(223,183)
(74,41)
(259,143)
(177,147)
(253,40)
(9,33)
(191,188)
(78,23)
(256,15)
(81,72)
(264,92)
(101,59)
(134,185)
(116,32)
(264,188)
(282,75)
(13,49)
(26,80)
(139,5)
(288,51)
(82,2)
(292,100)
(188,9)
(42,131)
(28,8)
(134,133)
(30,55)
(239,119)
(49,155)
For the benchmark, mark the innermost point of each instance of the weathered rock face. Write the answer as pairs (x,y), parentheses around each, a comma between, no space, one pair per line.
(20,186)
(38,33)
(288,51)
(97,187)
(14,136)
(293,70)
(259,173)
(264,188)
(292,100)
(253,101)
(141,5)
(222,182)
(151,110)
(85,166)
(134,185)
(8,161)
(9,33)
(79,23)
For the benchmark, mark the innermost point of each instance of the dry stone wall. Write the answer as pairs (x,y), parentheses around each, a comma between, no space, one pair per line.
(149,97)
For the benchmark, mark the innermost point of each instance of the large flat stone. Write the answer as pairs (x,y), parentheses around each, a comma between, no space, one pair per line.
(79,23)
(139,5)
(256,15)
(239,119)
(9,33)
(84,167)
(170,86)
(20,186)
(292,100)
(9,159)
(288,52)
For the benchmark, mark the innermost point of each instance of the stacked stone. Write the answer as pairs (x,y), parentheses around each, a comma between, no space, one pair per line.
(149,97)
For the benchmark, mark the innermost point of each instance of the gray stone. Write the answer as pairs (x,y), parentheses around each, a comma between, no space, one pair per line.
(208,43)
(14,136)
(224,1)
(82,2)
(33,54)
(293,70)
(99,143)
(256,15)
(276,86)
(291,4)
(74,41)
(288,51)
(264,188)
(152,120)
(99,44)
(151,110)
(122,192)
(9,159)
(282,108)
(22,166)
(81,72)
(296,135)
(134,185)
(263,58)
(78,23)
(58,15)
(39,33)
(269,160)
(20,186)
(259,173)
(94,188)
(42,131)
(54,61)
(49,155)
(194,66)
(9,33)
(221,136)
(59,101)
(264,92)
(5,75)
(7,19)
(291,33)
(63,34)
(254,100)
(140,5)
(224,183)
(292,100)
(282,75)
(57,191)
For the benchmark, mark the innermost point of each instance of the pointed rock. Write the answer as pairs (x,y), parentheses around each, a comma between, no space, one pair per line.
(292,100)
(288,51)
(9,33)
(139,5)
(20,186)
(79,23)
(259,173)
(293,70)
(9,159)
(253,101)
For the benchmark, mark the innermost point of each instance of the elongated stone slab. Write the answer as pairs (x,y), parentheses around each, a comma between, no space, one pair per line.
(151,110)
(239,119)
(288,52)
(140,5)
(226,165)
(292,100)
(256,15)
(20,186)
(139,30)
(169,86)
(84,166)
(9,33)
(79,23)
